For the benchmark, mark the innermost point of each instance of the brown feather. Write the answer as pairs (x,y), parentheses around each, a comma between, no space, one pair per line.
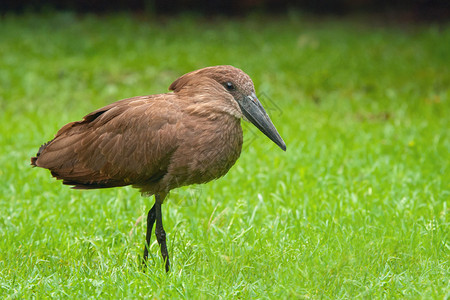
(155,143)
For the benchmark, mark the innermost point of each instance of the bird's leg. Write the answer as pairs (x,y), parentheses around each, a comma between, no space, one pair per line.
(160,233)
(151,217)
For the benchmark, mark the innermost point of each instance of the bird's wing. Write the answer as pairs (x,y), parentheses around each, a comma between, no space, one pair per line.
(127,142)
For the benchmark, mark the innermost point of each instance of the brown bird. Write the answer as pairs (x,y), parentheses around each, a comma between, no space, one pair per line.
(160,142)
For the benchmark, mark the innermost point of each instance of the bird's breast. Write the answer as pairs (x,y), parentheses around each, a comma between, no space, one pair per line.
(209,148)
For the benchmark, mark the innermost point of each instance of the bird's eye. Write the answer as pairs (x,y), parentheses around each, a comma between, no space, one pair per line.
(230,86)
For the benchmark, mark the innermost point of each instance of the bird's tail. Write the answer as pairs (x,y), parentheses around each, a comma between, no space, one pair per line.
(35,158)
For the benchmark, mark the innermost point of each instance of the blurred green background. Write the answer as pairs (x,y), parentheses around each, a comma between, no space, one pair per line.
(356,207)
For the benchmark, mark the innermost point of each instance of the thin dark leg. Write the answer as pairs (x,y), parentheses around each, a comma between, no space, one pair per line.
(151,217)
(160,233)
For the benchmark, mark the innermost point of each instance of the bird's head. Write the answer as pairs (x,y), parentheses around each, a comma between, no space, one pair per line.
(237,88)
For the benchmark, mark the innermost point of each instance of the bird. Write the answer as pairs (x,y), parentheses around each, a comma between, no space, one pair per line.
(156,143)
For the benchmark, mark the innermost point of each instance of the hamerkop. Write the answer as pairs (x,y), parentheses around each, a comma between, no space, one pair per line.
(160,142)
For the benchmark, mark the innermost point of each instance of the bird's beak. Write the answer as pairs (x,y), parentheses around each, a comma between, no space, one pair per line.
(255,113)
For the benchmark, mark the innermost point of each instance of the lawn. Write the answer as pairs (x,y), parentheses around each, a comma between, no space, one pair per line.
(356,208)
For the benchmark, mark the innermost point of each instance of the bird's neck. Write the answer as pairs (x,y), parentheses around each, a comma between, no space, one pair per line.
(210,106)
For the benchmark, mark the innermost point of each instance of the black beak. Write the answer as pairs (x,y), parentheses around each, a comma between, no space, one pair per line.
(255,113)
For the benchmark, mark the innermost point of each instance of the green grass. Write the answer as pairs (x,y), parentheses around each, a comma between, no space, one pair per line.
(356,207)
